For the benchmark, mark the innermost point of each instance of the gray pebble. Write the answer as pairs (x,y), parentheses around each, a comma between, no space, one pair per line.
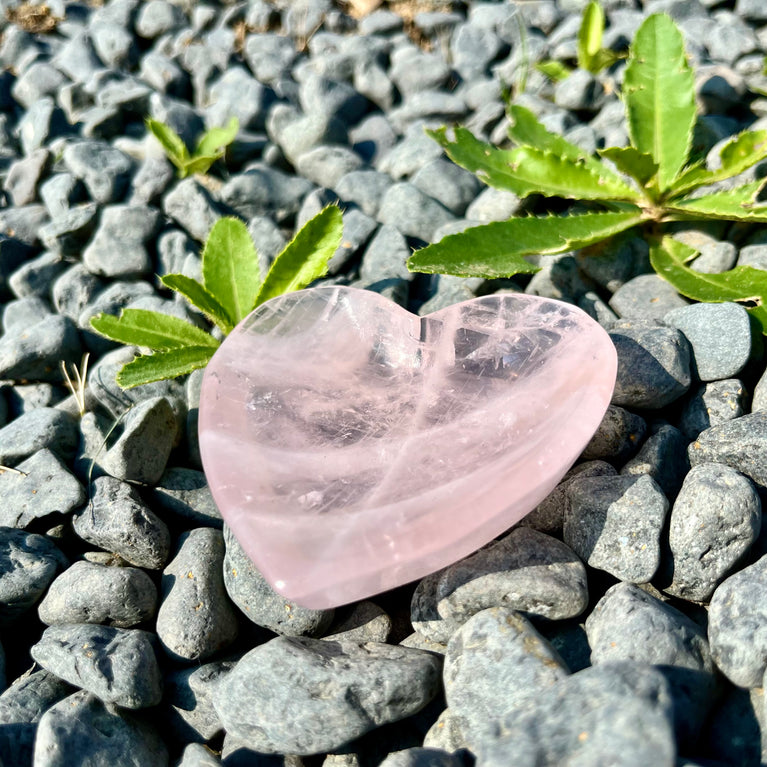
(270,57)
(548,516)
(265,191)
(249,590)
(737,625)
(60,191)
(190,694)
(663,456)
(325,165)
(614,524)
(358,228)
(296,133)
(580,91)
(21,707)
(646,297)
(613,263)
(185,492)
(299,695)
(493,205)
(116,665)
(412,212)
(197,755)
(158,17)
(81,727)
(43,427)
(35,277)
(614,713)
(151,181)
(41,79)
(720,337)
(191,206)
(447,183)
(73,290)
(414,70)
(28,564)
(237,94)
(630,624)
(422,757)
(70,229)
(33,353)
(45,486)
(196,618)
(23,312)
(525,570)
(618,436)
(431,105)
(653,364)
(142,450)
(92,593)
(447,733)
(712,404)
(105,171)
(411,153)
(119,246)
(365,188)
(740,444)
(366,622)
(117,520)
(714,521)
(494,659)
(41,124)
(23,177)
(330,98)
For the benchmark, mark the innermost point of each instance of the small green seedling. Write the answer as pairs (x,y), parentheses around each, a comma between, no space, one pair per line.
(211,146)
(648,184)
(231,288)
(591,55)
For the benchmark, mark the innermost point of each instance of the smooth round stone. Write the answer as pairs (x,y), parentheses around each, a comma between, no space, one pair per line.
(353,447)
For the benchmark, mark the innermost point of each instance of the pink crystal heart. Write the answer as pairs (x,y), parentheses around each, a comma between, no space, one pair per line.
(353,447)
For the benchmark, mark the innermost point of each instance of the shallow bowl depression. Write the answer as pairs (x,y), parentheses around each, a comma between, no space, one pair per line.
(353,447)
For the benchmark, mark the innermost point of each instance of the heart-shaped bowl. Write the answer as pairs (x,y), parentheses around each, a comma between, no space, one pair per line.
(353,447)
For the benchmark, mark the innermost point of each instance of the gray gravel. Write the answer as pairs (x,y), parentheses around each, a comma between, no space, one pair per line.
(620,622)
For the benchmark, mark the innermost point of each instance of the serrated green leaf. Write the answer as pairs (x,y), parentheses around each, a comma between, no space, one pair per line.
(733,205)
(739,154)
(743,283)
(142,327)
(214,142)
(659,93)
(170,141)
(230,270)
(526,130)
(497,249)
(200,297)
(161,366)
(554,70)
(305,258)
(638,165)
(547,173)
(590,36)
(528,170)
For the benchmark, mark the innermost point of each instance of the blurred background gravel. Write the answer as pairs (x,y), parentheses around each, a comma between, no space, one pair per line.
(623,622)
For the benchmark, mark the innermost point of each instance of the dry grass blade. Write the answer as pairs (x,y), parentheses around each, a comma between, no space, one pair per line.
(15,471)
(77,387)
(37,19)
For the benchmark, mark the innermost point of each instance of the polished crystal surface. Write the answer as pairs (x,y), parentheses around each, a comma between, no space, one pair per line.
(354,447)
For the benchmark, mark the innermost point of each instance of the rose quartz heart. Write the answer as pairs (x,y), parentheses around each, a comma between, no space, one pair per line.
(354,447)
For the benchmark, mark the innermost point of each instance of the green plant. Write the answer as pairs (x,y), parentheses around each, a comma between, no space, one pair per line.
(647,185)
(210,147)
(591,55)
(231,288)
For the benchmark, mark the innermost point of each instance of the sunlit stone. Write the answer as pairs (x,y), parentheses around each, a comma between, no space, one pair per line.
(354,447)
